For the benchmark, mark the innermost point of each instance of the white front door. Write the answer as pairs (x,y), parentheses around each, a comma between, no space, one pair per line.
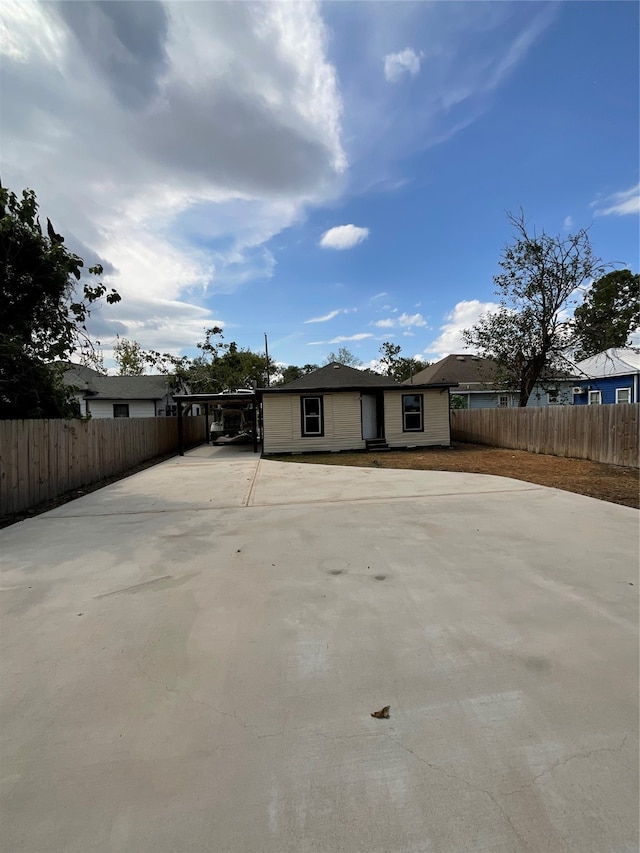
(369,420)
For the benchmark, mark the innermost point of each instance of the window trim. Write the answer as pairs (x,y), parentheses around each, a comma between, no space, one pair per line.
(504,405)
(303,415)
(404,413)
(627,390)
(597,402)
(120,406)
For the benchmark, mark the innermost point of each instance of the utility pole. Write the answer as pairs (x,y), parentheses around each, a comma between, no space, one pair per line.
(266,352)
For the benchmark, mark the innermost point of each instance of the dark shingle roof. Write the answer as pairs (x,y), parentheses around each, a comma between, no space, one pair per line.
(336,375)
(470,372)
(98,386)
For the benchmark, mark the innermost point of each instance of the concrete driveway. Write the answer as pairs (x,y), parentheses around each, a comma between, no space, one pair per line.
(191,655)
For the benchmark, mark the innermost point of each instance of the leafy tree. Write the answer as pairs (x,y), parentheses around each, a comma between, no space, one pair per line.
(528,334)
(219,367)
(129,357)
(292,372)
(43,311)
(399,367)
(609,313)
(344,356)
(458,401)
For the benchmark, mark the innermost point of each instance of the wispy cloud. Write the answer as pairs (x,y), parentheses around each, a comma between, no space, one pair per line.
(624,203)
(330,315)
(464,315)
(341,339)
(568,223)
(380,295)
(396,65)
(343,237)
(403,321)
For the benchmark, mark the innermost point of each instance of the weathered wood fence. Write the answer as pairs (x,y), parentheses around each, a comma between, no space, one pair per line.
(600,433)
(42,459)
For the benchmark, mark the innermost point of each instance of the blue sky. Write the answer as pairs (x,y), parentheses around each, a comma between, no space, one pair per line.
(332,175)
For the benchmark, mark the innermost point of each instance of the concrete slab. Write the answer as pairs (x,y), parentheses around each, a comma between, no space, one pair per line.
(182,674)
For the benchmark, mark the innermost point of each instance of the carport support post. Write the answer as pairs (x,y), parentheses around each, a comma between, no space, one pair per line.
(180,431)
(206,421)
(255,424)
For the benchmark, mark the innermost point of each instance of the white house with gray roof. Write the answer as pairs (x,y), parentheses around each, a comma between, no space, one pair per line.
(101,396)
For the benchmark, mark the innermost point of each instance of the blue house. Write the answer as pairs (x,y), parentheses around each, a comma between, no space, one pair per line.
(612,376)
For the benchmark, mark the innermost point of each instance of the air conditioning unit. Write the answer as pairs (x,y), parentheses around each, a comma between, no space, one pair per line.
(579,390)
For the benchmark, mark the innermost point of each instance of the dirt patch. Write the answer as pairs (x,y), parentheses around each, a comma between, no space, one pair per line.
(605,482)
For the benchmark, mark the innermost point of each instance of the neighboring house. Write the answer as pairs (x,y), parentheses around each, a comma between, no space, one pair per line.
(339,408)
(475,379)
(119,396)
(612,376)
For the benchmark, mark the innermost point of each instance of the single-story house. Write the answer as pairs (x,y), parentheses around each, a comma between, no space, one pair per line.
(103,396)
(611,376)
(476,384)
(340,408)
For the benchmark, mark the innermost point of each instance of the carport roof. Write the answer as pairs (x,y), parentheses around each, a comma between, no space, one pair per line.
(240,397)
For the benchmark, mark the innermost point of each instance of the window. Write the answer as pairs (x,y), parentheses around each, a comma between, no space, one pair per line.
(552,395)
(412,413)
(503,401)
(623,395)
(311,415)
(595,398)
(120,410)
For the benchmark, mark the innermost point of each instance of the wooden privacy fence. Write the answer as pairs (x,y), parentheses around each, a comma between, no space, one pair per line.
(42,459)
(607,433)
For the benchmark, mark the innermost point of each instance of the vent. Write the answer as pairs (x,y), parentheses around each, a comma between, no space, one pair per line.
(459,358)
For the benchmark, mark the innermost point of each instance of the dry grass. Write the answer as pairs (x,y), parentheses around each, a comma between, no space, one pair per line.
(606,482)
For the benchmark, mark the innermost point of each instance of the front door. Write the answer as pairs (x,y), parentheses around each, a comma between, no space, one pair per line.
(369,416)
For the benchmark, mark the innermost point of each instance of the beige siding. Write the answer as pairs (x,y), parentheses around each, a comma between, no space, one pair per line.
(282,429)
(137,408)
(436,419)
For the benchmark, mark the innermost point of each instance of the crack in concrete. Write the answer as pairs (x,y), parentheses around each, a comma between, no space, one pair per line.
(466,782)
(561,762)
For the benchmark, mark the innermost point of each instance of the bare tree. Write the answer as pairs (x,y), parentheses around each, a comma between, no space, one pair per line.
(529,333)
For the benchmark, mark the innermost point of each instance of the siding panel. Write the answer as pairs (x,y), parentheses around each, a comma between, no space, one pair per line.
(283,433)
(436,419)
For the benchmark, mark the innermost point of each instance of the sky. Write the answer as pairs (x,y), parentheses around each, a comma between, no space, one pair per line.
(334,174)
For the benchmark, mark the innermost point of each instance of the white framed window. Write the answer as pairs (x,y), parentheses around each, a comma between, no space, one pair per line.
(412,420)
(553,396)
(120,410)
(311,416)
(503,401)
(595,398)
(623,395)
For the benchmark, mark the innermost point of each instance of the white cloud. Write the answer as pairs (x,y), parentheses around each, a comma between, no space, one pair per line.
(380,295)
(403,321)
(219,123)
(396,65)
(568,223)
(341,339)
(330,315)
(464,315)
(623,203)
(343,237)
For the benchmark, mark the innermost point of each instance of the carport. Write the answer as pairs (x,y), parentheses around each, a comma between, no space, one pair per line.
(224,400)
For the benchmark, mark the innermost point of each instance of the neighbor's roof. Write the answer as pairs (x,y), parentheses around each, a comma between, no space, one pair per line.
(470,372)
(339,377)
(611,362)
(97,386)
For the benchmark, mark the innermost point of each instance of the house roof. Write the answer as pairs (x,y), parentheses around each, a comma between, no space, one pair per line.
(340,377)
(336,375)
(610,362)
(469,372)
(97,386)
